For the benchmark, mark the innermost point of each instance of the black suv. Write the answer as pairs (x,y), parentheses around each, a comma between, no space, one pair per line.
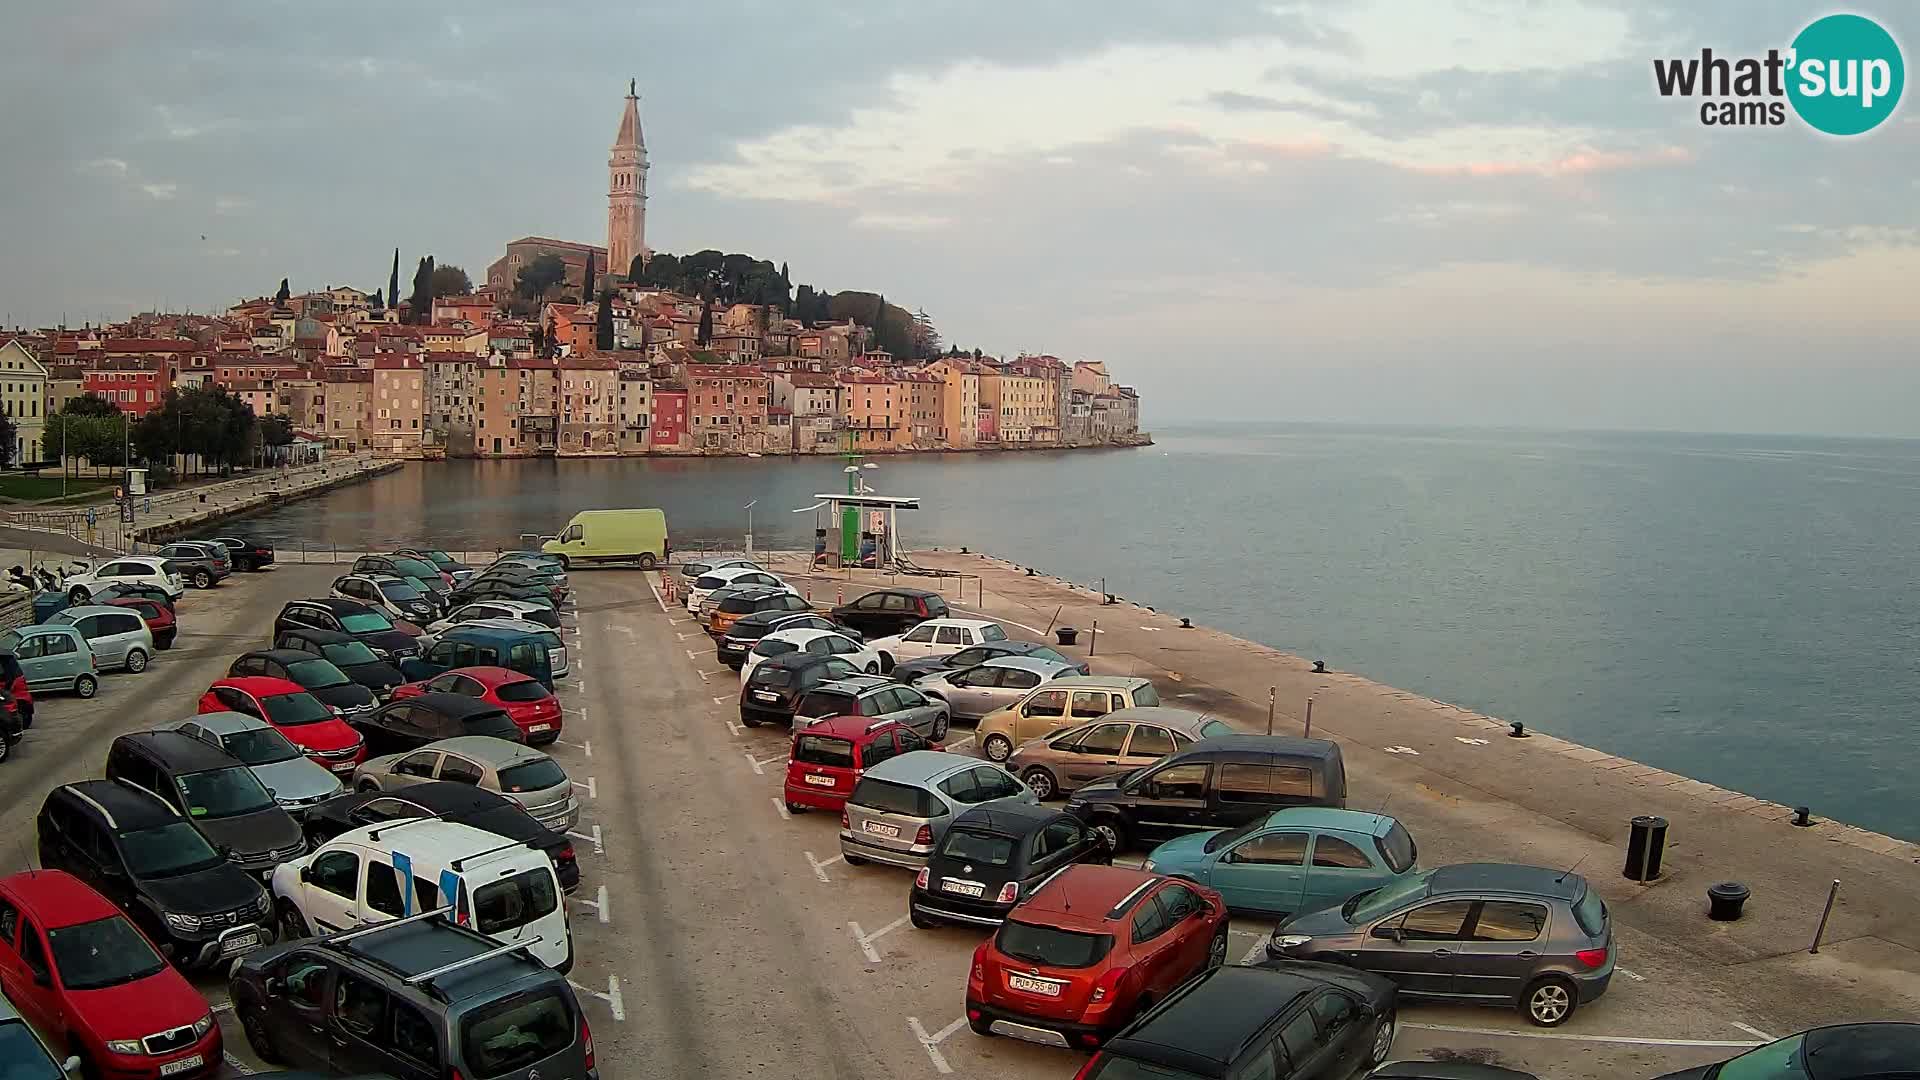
(348,617)
(138,852)
(346,652)
(738,641)
(1216,783)
(1294,1021)
(417,998)
(891,611)
(447,800)
(317,675)
(214,790)
(778,684)
(410,723)
(992,857)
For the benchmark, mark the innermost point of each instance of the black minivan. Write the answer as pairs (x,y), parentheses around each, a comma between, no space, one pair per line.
(1216,783)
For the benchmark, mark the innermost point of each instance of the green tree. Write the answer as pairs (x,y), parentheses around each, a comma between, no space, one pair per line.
(393,280)
(420,303)
(276,430)
(8,433)
(90,404)
(280,298)
(451,280)
(706,324)
(586,283)
(538,276)
(803,303)
(379,300)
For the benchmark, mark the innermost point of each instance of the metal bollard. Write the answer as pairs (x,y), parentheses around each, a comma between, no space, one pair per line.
(1821,930)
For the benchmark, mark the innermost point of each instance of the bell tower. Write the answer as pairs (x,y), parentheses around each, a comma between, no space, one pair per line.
(627,190)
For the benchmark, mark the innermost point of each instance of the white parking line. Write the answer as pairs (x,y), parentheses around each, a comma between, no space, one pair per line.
(866,940)
(736,729)
(599,906)
(1635,976)
(755,762)
(598,847)
(785,815)
(770,760)
(1258,950)
(588,787)
(1749,1029)
(585,747)
(692,657)
(932,1042)
(684,637)
(611,997)
(1559,1036)
(716,671)
(235,1063)
(968,741)
(657,598)
(820,868)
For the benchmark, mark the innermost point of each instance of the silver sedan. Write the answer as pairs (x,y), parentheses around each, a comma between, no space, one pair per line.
(976,691)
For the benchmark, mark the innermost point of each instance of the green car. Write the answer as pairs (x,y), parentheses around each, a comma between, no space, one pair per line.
(53,658)
(1292,861)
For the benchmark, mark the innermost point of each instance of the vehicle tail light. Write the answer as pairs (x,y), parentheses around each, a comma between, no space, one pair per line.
(1009,893)
(920,880)
(924,836)
(1108,984)
(1089,1040)
(973,1014)
(566,852)
(1085,1070)
(844,823)
(1593,958)
(586,1039)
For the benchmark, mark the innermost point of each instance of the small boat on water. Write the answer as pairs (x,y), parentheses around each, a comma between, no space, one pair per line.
(751,454)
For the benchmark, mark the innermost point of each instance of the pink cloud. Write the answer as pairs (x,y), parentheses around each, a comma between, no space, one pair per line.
(1580,163)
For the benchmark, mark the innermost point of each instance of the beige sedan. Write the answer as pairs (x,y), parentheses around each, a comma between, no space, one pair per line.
(1118,742)
(1057,704)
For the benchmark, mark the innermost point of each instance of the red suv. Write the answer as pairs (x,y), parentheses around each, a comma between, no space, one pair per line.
(93,983)
(306,721)
(1090,949)
(533,708)
(829,757)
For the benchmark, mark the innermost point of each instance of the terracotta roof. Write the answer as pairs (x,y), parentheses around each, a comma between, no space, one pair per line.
(346,375)
(450,356)
(589,362)
(395,363)
(814,381)
(148,345)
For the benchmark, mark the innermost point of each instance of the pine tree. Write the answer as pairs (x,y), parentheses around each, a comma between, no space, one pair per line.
(393,280)
(586,286)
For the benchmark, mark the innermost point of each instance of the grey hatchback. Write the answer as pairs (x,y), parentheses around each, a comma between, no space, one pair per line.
(1476,933)
(876,697)
(902,807)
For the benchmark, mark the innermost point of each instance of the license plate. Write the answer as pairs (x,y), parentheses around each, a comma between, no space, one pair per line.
(881,828)
(239,943)
(762,695)
(819,781)
(540,727)
(183,1065)
(1034,986)
(344,766)
(963,888)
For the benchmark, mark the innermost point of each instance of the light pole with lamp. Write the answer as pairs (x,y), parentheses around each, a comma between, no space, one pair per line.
(749,509)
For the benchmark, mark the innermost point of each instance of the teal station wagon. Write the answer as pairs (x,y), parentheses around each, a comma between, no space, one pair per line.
(1292,861)
(53,658)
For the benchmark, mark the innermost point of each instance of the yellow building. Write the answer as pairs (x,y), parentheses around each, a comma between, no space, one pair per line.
(23,396)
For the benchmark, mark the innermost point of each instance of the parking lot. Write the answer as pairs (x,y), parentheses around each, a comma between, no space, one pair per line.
(718,934)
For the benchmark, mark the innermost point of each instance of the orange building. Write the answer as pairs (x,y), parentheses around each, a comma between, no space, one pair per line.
(727,407)
(879,413)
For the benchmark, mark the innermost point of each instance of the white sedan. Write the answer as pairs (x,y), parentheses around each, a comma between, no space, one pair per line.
(936,637)
(125,570)
(821,642)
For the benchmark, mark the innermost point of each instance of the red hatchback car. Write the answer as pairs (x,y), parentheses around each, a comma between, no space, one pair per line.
(305,720)
(160,619)
(1089,950)
(534,709)
(829,757)
(92,982)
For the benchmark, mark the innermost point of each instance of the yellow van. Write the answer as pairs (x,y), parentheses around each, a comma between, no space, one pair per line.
(613,536)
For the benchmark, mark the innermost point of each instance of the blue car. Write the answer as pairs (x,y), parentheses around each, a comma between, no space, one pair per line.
(1295,860)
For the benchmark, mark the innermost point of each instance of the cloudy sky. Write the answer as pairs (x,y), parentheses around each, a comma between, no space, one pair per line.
(1424,211)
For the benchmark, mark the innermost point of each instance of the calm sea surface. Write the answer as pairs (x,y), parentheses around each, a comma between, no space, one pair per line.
(1742,609)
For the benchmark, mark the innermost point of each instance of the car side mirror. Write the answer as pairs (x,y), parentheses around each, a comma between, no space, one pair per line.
(1229,857)
(1392,933)
(306,874)
(1151,790)
(71,1065)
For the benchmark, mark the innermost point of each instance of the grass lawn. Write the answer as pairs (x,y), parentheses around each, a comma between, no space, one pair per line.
(47,485)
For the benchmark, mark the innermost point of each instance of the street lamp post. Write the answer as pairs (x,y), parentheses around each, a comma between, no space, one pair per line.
(749,509)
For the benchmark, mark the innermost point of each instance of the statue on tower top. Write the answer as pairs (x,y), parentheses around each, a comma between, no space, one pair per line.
(630,83)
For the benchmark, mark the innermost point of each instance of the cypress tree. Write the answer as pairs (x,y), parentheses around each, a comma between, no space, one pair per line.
(393,280)
(706,323)
(603,323)
(420,303)
(586,286)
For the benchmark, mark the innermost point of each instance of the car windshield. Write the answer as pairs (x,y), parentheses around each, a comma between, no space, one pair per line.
(499,906)
(351,654)
(439,558)
(1213,729)
(1050,945)
(888,797)
(259,746)
(1145,698)
(1369,906)
(966,845)
(314,674)
(102,953)
(533,776)
(398,590)
(1232,836)
(1046,653)
(218,793)
(828,703)
(773,648)
(366,622)
(25,1058)
(820,750)
(992,632)
(1398,848)
(419,568)
(301,708)
(10,642)
(530,690)
(522,1030)
(168,850)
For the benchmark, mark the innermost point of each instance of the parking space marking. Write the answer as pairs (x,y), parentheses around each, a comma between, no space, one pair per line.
(866,940)
(1563,1037)
(586,747)
(770,760)
(235,1063)
(755,762)
(717,671)
(599,905)
(684,637)
(968,741)
(598,847)
(692,657)
(1401,750)
(1258,951)
(1749,1029)
(611,997)
(1637,977)
(592,792)
(820,868)
(736,729)
(932,1042)
(1131,862)
(785,814)
(657,598)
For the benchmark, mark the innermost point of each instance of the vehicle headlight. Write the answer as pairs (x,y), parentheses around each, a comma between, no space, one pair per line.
(1290,941)
(263,905)
(178,921)
(203,1025)
(127,1046)
(1148,866)
(379,652)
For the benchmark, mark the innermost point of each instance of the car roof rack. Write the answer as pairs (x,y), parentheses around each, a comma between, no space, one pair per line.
(388,826)
(433,973)
(1127,901)
(459,864)
(388,924)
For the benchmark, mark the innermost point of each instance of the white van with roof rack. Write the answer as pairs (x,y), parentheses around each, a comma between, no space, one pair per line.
(505,889)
